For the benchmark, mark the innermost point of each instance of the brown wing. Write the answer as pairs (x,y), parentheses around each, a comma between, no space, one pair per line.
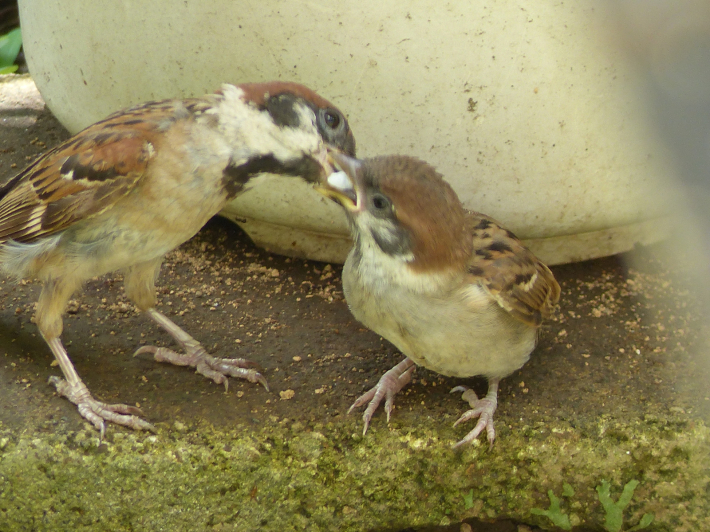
(87,174)
(518,281)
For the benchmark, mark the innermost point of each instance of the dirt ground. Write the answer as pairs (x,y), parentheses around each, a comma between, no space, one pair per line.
(622,346)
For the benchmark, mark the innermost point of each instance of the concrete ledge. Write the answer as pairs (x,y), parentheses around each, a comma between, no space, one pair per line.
(288,476)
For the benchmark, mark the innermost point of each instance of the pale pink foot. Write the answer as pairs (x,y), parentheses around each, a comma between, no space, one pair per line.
(97,412)
(217,369)
(483,409)
(389,384)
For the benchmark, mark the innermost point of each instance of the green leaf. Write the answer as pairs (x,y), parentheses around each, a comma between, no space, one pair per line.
(645,522)
(468,500)
(10,44)
(567,490)
(8,69)
(626,495)
(554,513)
(613,518)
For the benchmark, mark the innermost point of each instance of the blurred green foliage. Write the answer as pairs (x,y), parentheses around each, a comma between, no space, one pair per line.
(10,44)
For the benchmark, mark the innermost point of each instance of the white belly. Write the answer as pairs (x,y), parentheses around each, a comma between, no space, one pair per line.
(451,335)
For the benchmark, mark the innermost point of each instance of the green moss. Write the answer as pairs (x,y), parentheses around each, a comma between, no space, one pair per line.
(327,477)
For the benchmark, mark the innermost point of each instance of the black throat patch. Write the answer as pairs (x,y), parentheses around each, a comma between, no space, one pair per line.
(396,242)
(236,176)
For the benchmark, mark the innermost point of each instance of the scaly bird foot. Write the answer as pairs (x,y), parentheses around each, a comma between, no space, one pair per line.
(389,384)
(217,369)
(97,412)
(483,409)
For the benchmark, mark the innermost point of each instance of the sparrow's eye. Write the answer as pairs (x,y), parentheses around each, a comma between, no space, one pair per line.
(332,120)
(380,202)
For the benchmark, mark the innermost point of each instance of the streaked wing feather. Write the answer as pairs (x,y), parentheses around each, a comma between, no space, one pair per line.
(517,280)
(85,175)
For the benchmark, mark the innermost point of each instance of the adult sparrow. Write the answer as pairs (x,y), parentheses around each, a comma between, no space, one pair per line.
(123,192)
(452,289)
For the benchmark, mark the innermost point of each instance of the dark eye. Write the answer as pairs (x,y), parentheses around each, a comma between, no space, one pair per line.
(332,119)
(380,202)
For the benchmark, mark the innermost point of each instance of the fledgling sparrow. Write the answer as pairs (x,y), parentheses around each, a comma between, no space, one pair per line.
(452,289)
(123,192)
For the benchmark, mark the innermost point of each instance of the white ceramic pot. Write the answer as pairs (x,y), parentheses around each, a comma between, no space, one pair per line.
(525,107)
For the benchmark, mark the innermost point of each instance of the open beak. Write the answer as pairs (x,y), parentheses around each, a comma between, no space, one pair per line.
(342,185)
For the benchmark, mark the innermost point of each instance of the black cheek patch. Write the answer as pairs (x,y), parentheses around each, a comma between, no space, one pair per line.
(392,246)
(282,111)
(235,177)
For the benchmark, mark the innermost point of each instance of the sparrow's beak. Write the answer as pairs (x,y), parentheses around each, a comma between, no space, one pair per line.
(342,185)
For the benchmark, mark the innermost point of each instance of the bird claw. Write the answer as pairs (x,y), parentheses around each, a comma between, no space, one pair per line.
(96,412)
(217,369)
(485,421)
(387,387)
(483,409)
